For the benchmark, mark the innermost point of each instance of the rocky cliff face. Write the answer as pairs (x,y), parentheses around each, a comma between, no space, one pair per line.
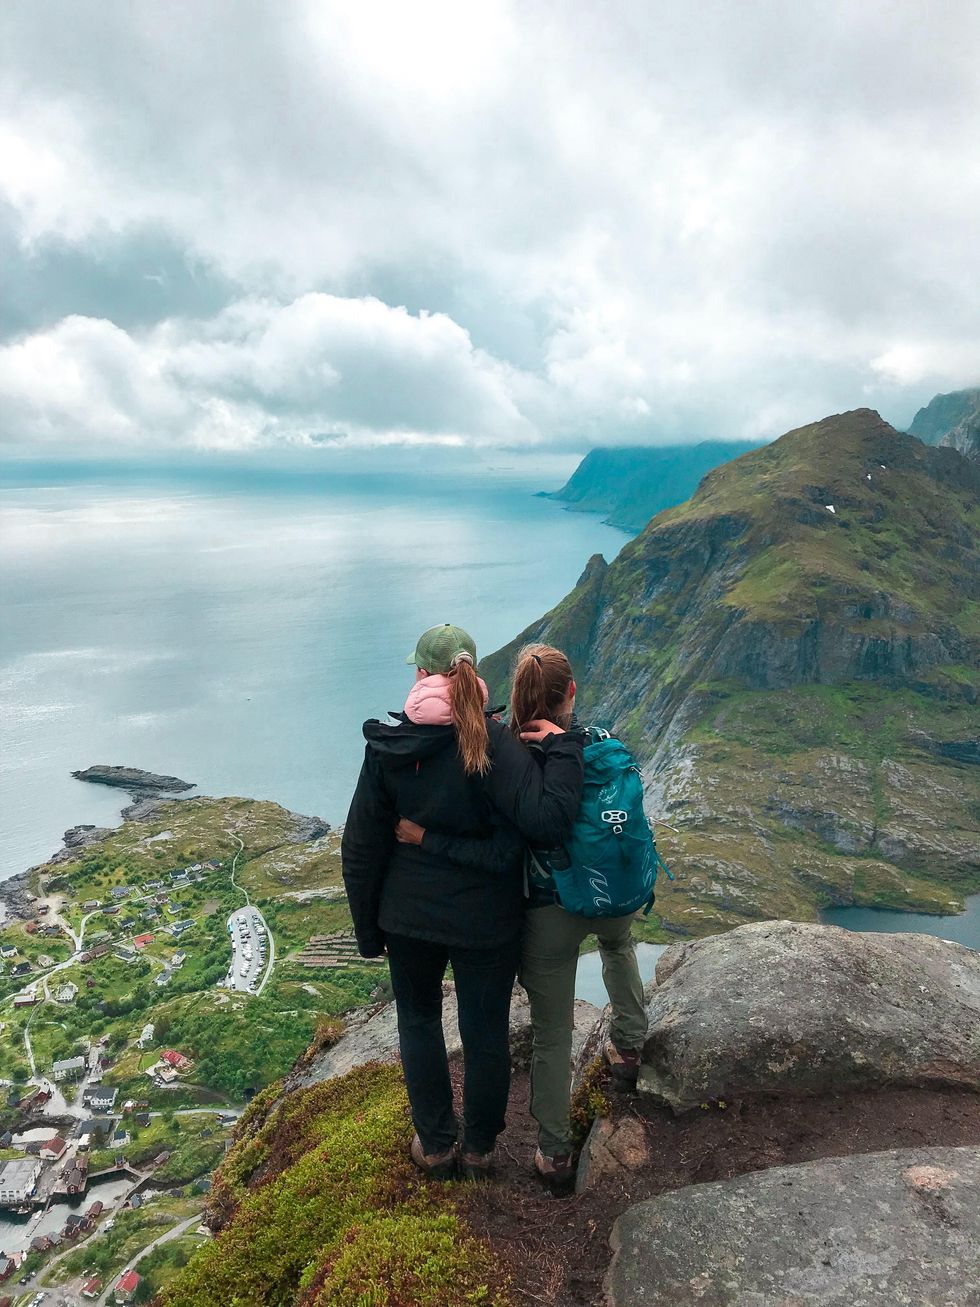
(794,656)
(953,421)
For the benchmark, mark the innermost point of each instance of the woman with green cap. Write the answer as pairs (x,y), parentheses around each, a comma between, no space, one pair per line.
(458,775)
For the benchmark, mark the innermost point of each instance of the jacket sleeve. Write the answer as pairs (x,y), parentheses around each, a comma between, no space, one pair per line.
(541,801)
(497,852)
(369,837)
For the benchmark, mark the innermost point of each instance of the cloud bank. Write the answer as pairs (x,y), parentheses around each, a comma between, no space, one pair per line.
(536,225)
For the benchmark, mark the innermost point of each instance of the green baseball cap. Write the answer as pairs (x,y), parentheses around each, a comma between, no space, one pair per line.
(439,645)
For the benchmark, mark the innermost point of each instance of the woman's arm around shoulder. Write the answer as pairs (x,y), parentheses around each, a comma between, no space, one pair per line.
(542,800)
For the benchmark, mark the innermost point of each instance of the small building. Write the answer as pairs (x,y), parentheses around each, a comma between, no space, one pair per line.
(92,1287)
(25,1000)
(142,1118)
(90,905)
(177,1060)
(7,1267)
(95,1210)
(67,992)
(52,1149)
(18,1179)
(45,960)
(124,952)
(21,968)
(100,1098)
(8,950)
(146,1035)
(68,1068)
(141,941)
(163,978)
(178,960)
(76,1175)
(120,891)
(40,1244)
(161,1158)
(179,927)
(6,1139)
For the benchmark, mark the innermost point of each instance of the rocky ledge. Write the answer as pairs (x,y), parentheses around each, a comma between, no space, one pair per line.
(133,779)
(782,1006)
(896,1228)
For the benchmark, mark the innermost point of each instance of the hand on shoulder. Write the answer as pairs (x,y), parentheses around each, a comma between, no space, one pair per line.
(537,730)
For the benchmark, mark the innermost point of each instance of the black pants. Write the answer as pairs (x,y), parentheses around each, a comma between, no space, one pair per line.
(484,980)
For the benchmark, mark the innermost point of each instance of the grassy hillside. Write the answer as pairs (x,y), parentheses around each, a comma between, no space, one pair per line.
(794,653)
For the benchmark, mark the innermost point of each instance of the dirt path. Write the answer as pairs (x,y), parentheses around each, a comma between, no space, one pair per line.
(557,1250)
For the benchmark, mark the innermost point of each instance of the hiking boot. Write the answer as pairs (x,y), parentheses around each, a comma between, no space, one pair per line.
(624,1067)
(437,1166)
(555,1171)
(475,1166)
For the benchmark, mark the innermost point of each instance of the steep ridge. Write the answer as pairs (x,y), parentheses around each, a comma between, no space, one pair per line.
(953,421)
(634,483)
(794,655)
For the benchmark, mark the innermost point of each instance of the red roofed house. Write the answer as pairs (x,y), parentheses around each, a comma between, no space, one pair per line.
(175,1059)
(141,941)
(126,1287)
(90,1289)
(53,1148)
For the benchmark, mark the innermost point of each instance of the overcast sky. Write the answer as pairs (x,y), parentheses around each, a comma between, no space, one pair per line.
(231,224)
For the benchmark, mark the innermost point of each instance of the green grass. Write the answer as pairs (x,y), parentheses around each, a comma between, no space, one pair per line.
(340,1218)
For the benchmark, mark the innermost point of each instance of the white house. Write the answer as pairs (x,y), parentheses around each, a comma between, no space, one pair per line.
(68,1067)
(17,1179)
(146,1035)
(67,992)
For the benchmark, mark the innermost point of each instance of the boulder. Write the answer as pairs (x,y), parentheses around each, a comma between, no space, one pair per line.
(785,1008)
(613,1149)
(371,1035)
(879,1230)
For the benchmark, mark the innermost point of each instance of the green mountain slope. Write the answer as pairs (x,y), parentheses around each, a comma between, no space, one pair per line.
(794,653)
(631,485)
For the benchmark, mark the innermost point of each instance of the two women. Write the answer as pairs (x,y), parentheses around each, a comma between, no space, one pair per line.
(434,858)
(455,894)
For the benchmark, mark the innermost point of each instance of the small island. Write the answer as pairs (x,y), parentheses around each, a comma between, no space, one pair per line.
(133,779)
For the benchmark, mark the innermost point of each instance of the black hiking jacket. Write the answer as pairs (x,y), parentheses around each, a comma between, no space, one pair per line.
(464,884)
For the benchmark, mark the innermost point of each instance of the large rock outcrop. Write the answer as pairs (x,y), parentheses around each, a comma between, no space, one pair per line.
(880,1230)
(787,1008)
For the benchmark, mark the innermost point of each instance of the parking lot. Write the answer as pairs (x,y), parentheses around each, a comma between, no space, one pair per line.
(249,950)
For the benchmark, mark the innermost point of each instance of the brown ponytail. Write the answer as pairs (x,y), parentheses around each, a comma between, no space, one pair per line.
(542,681)
(467,706)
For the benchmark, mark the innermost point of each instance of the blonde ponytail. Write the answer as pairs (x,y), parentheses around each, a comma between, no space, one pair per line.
(467,706)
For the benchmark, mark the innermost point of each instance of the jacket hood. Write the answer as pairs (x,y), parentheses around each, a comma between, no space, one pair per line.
(404,743)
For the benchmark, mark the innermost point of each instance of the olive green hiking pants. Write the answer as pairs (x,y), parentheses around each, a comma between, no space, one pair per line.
(549,958)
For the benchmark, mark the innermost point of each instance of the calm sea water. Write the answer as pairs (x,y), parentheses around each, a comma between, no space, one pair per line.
(236,629)
(962,929)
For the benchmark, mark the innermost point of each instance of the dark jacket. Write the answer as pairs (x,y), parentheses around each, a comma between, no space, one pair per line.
(464,884)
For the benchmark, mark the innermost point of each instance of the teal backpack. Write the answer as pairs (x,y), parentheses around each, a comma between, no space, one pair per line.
(608,864)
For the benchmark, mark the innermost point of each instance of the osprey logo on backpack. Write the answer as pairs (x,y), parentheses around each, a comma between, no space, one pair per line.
(608,866)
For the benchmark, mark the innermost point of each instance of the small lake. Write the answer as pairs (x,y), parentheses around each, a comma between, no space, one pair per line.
(963,928)
(588,979)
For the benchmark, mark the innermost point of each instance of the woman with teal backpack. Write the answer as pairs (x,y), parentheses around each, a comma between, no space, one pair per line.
(542,704)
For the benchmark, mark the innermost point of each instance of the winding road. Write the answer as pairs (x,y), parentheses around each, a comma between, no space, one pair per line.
(173,1233)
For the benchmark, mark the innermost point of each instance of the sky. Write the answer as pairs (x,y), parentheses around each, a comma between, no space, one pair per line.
(536,226)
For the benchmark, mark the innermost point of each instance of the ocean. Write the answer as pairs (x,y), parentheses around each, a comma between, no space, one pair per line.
(234,626)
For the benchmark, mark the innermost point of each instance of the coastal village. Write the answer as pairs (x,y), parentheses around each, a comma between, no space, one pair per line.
(123,999)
